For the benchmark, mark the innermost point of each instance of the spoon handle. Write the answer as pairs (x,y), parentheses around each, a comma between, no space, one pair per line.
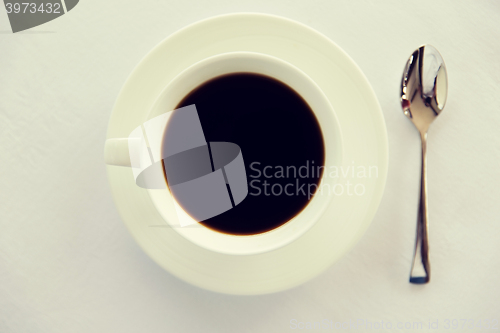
(421,270)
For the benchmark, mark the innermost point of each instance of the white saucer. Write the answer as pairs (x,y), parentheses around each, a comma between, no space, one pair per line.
(364,137)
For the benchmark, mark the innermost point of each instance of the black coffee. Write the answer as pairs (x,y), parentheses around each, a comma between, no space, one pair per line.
(281,144)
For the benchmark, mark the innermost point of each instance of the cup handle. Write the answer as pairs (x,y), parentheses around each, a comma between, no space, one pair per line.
(116,152)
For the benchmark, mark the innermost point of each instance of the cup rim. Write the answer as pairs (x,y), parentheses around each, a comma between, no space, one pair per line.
(260,238)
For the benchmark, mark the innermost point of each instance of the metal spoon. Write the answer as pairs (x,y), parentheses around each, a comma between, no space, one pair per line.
(424,89)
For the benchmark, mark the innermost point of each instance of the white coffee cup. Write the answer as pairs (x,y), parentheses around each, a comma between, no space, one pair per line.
(117,150)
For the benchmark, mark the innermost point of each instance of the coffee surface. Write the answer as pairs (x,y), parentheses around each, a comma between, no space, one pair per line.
(280,140)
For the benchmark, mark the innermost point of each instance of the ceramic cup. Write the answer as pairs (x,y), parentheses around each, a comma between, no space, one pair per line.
(118,151)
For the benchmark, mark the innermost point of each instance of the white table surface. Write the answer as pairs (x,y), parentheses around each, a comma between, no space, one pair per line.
(67,262)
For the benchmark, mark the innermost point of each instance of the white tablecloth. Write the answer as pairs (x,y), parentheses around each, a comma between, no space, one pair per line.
(68,264)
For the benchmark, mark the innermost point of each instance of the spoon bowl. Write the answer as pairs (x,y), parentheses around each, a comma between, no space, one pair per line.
(424,87)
